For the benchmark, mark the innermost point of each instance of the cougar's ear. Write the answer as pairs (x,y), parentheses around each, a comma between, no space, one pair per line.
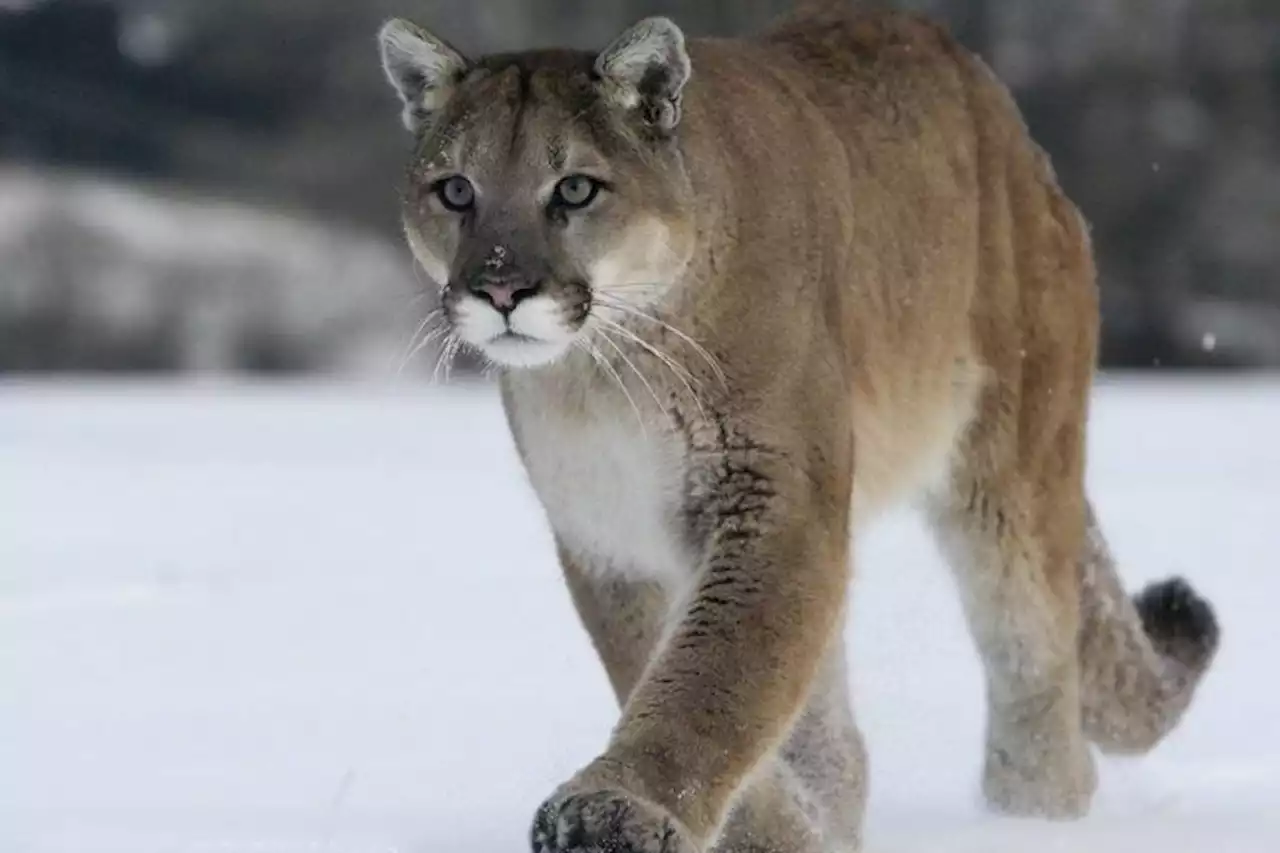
(423,69)
(646,69)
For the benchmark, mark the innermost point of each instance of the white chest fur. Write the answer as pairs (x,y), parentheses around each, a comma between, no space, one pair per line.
(611,489)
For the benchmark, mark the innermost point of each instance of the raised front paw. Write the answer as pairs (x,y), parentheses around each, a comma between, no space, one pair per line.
(606,822)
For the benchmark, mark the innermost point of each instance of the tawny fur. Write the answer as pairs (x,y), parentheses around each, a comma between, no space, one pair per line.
(864,287)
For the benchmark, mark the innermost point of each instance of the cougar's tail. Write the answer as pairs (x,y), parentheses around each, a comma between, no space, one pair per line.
(1142,657)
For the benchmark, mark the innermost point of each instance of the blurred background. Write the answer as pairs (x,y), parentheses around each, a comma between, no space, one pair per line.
(210,187)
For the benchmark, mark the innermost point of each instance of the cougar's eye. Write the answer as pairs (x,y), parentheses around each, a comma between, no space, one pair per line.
(575,192)
(456,193)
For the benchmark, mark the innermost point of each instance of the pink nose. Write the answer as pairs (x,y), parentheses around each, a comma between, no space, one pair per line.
(504,293)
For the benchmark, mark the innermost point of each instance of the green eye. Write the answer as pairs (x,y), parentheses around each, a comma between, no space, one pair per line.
(575,192)
(456,193)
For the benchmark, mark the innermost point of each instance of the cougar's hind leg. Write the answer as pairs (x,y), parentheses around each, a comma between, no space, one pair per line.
(812,795)
(774,814)
(827,754)
(1012,526)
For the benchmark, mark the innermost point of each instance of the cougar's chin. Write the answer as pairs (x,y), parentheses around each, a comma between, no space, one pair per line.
(511,349)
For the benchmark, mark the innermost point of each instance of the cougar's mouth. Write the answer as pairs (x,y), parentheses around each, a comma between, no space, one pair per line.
(514,337)
(513,349)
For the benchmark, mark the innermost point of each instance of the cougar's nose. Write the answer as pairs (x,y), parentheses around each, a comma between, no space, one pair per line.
(504,292)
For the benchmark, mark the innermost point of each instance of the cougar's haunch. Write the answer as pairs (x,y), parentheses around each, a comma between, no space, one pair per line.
(743,295)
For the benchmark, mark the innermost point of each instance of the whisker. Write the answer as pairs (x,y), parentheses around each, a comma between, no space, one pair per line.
(426,342)
(697,347)
(433,314)
(634,369)
(450,342)
(599,359)
(415,345)
(664,357)
(677,369)
(451,358)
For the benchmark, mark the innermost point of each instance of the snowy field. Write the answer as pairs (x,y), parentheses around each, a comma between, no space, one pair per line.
(319,618)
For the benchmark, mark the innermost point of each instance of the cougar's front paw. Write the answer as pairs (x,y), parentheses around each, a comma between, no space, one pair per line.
(606,822)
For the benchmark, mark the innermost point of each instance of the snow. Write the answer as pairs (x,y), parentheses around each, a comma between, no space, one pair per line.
(309,617)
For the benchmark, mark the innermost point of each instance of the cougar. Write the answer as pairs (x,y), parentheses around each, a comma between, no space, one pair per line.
(742,296)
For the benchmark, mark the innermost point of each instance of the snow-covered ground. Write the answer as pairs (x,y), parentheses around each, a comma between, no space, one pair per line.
(320,618)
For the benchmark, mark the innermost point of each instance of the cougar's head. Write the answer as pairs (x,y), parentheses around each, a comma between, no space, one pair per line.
(547,192)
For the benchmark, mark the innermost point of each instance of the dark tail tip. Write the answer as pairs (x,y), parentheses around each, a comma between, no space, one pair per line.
(1180,623)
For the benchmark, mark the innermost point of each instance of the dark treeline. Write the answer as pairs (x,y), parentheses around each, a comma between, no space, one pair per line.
(1162,117)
